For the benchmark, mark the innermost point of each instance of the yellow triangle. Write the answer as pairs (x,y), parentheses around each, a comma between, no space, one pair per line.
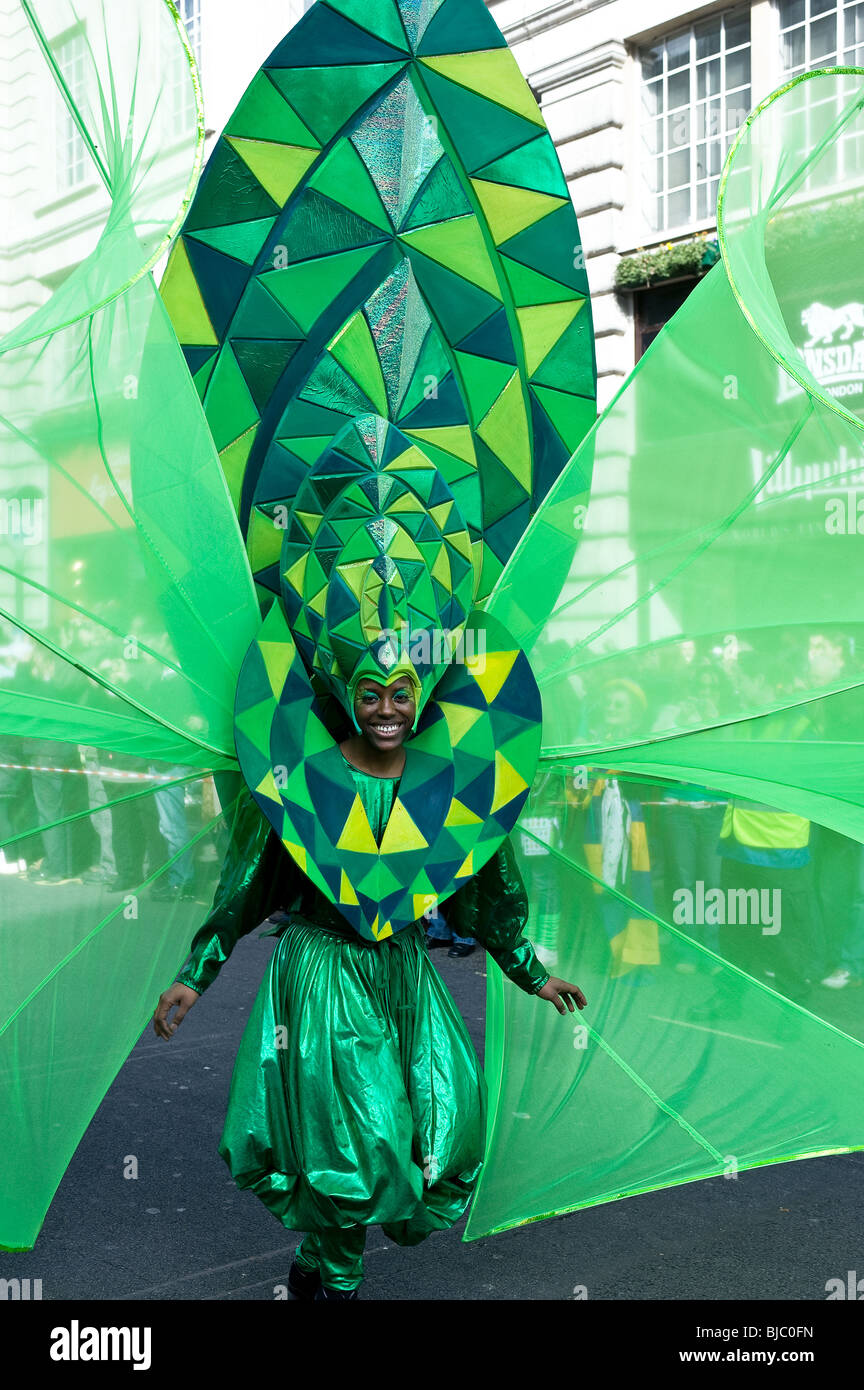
(347,896)
(453,439)
(401,834)
(460,815)
(310,520)
(277,660)
(507,421)
(467,869)
(403,546)
(278,168)
(423,902)
(357,832)
(296,573)
(441,569)
(182,298)
(495,74)
(267,787)
(458,244)
(461,541)
(509,210)
(233,459)
(441,514)
(354,575)
(459,720)
(490,670)
(411,458)
(297,852)
(381,933)
(263,541)
(318,602)
(508,783)
(408,502)
(542,325)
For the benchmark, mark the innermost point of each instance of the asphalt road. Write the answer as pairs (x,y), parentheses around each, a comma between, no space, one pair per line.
(183,1231)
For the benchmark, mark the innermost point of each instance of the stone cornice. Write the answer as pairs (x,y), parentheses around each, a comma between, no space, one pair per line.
(605,56)
(549,17)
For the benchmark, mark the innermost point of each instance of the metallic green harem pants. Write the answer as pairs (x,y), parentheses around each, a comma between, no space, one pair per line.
(357,1096)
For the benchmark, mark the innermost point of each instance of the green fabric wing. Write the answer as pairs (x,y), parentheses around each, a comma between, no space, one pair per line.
(693,844)
(127,601)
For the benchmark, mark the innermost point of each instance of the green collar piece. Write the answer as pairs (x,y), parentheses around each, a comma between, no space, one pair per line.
(466,778)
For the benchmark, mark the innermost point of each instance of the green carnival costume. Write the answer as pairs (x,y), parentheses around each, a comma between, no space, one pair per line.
(360,419)
(357,1095)
(336,292)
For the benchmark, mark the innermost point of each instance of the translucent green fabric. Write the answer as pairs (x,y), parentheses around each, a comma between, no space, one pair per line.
(126,601)
(692,622)
(693,841)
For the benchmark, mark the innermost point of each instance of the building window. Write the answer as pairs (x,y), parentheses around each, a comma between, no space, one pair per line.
(190,13)
(695,94)
(184,100)
(73,160)
(820,34)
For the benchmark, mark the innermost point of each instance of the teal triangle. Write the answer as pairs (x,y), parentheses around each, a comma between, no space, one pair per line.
(441,197)
(242,240)
(480,129)
(458,306)
(326,97)
(203,375)
(570,364)
(431,363)
(534,165)
(320,227)
(262,363)
(460,26)
(502,493)
(259,316)
(330,382)
(324,36)
(547,246)
(228,192)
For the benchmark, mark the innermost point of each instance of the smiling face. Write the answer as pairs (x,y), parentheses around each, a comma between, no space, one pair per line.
(385,713)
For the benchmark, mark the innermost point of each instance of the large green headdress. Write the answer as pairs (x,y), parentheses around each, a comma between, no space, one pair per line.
(380,293)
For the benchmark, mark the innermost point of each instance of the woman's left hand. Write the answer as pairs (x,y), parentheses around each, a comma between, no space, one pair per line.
(560,993)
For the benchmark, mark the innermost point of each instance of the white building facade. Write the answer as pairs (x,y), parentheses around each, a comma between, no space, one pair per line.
(643,99)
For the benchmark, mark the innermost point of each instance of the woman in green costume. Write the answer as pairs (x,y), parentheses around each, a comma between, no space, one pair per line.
(357,1096)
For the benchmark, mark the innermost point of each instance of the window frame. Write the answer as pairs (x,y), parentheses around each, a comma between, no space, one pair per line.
(73,165)
(700,113)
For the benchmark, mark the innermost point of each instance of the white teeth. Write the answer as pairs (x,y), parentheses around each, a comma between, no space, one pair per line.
(387,728)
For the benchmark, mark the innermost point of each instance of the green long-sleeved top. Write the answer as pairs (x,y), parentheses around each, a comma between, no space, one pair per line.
(259,877)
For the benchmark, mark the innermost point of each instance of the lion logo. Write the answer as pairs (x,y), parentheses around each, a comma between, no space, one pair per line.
(823,324)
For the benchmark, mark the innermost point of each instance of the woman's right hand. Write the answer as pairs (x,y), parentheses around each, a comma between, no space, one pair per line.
(184,998)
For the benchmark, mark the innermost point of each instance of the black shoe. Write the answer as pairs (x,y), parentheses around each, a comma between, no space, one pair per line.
(304,1284)
(324,1293)
(435,942)
(461,948)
